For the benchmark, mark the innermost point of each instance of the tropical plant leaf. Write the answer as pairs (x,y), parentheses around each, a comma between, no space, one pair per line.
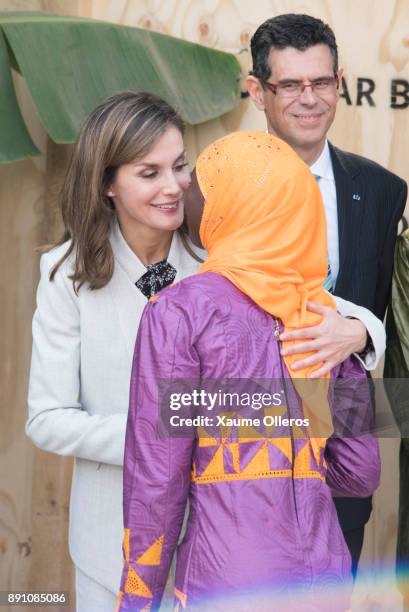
(15,141)
(72,64)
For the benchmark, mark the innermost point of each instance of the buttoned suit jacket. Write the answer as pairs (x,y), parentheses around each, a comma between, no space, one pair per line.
(370,202)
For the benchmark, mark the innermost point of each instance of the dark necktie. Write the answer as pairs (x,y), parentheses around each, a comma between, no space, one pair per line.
(157,276)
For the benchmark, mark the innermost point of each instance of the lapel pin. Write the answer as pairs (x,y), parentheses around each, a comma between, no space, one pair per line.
(356,196)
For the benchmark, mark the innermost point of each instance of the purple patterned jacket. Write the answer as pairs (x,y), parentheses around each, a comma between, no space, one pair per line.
(262,524)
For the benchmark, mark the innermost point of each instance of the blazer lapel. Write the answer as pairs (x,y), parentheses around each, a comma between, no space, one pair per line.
(181,260)
(129,300)
(129,304)
(350,207)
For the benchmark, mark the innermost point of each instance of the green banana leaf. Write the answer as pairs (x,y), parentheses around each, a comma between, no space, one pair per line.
(15,141)
(71,64)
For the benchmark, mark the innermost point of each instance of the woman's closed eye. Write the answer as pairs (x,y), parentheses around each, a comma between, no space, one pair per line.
(150,175)
(154,173)
(181,166)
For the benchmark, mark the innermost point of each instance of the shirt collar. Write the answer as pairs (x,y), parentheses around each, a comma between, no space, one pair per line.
(130,262)
(323,166)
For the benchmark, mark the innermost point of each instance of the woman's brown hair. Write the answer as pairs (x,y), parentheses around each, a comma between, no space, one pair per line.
(121,129)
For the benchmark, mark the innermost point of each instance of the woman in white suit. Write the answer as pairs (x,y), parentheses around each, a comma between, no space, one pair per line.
(122,205)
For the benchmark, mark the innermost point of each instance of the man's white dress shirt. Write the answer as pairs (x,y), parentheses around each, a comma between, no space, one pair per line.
(322,169)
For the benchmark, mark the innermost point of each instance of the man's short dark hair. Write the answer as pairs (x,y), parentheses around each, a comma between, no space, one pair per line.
(291,30)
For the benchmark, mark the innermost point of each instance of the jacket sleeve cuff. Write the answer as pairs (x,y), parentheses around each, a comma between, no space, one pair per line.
(376,345)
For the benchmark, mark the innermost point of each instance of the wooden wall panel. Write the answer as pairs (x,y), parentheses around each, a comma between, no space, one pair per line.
(21,191)
(34,486)
(373,43)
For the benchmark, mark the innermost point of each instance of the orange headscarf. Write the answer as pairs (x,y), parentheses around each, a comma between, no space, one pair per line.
(264,228)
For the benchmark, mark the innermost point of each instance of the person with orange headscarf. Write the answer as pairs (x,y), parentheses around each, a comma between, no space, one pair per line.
(262,531)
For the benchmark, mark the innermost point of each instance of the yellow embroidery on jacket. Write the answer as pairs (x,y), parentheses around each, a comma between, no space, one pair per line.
(259,463)
(318,445)
(153,554)
(284,445)
(182,597)
(126,544)
(134,585)
(240,451)
(118,603)
(227,462)
(215,465)
(268,474)
(302,462)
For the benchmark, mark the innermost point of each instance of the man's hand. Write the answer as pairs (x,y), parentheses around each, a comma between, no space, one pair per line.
(332,340)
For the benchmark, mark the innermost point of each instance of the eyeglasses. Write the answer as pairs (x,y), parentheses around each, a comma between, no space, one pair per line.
(293,89)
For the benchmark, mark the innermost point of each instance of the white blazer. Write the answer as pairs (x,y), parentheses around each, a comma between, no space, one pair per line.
(78,393)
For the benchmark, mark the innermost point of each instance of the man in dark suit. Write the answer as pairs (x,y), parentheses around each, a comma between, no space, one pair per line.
(295,81)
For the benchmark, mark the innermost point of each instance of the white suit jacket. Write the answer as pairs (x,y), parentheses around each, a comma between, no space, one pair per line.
(78,393)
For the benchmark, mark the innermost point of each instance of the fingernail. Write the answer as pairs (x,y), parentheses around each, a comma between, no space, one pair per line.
(283,351)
